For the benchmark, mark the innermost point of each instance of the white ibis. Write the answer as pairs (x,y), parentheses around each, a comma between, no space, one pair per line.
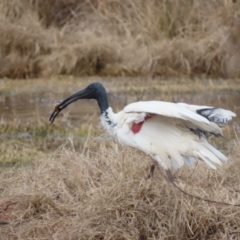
(171,133)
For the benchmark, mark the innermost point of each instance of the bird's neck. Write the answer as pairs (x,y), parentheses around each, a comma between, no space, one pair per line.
(108,119)
(102,100)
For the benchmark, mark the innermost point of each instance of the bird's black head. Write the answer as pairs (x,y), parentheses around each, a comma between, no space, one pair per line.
(93,91)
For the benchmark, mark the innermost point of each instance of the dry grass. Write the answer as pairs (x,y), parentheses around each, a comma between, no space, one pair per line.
(101,192)
(113,37)
(95,189)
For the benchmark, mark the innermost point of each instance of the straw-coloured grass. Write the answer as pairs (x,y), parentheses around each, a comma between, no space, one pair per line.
(101,192)
(93,188)
(114,37)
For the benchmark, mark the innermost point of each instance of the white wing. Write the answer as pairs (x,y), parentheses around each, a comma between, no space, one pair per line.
(168,109)
(167,135)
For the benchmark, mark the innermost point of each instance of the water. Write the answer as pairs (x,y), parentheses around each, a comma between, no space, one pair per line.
(36,104)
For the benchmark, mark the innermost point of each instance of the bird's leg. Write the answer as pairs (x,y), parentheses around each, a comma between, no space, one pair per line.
(170,177)
(151,171)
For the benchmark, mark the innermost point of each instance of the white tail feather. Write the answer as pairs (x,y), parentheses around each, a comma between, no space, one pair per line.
(217,153)
(206,160)
(206,153)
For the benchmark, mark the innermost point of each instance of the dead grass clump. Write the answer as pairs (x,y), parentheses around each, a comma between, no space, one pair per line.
(102,193)
(119,38)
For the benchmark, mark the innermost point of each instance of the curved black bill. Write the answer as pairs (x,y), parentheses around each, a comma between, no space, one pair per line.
(76,96)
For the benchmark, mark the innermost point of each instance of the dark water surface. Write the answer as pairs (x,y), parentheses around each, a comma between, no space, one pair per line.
(36,104)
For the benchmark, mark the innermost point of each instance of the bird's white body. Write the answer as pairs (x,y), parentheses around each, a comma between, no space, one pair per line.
(168,131)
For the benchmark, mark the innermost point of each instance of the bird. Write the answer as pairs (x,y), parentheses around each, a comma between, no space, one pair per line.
(172,134)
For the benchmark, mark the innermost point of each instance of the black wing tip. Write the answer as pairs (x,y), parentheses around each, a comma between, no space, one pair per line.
(212,114)
(202,110)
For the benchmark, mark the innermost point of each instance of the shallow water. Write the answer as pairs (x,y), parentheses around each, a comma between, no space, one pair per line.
(36,104)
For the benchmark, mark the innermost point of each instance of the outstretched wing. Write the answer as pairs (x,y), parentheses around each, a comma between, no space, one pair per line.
(217,115)
(193,120)
(167,134)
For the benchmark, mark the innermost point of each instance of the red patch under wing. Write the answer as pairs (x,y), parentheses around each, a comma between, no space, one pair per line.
(136,127)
